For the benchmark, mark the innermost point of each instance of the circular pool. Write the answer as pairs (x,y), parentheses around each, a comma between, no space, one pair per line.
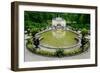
(58,39)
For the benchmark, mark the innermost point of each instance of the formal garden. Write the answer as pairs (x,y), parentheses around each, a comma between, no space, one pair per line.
(57,34)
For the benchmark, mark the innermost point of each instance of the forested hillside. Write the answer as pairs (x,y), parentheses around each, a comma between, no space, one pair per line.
(41,20)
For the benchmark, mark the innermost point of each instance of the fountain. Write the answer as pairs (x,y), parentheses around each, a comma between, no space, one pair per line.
(58,26)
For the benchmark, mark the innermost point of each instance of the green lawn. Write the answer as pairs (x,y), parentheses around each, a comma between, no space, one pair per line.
(61,39)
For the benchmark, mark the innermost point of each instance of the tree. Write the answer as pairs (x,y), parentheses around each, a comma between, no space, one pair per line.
(28,31)
(84,32)
(36,19)
(34,31)
(36,42)
(59,52)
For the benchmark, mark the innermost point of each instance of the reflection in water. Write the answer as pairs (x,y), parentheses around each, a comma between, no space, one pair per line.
(59,33)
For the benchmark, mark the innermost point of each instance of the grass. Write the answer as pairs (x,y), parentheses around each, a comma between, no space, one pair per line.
(60,40)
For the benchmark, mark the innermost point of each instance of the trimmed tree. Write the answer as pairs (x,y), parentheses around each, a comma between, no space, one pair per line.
(59,52)
(36,43)
(84,32)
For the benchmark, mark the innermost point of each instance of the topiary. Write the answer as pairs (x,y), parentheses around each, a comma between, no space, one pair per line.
(59,52)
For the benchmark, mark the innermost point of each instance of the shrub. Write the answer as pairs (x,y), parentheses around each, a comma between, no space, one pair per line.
(29,41)
(72,52)
(34,31)
(84,32)
(86,46)
(29,46)
(44,52)
(59,52)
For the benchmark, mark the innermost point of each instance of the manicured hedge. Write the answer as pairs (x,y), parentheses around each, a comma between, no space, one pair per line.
(45,53)
(58,53)
(72,52)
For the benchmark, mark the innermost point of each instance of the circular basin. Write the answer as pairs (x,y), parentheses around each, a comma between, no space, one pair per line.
(58,38)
